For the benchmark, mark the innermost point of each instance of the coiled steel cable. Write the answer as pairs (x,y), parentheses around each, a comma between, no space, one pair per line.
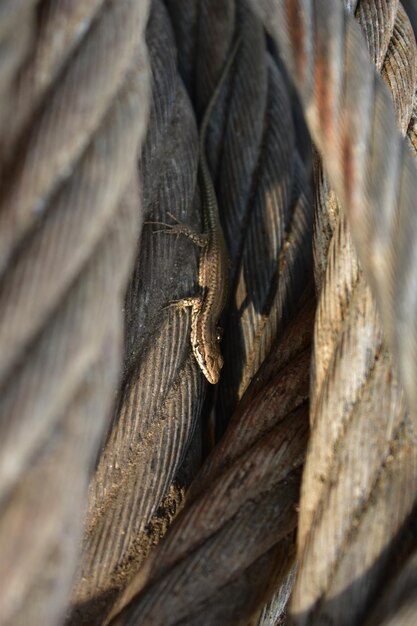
(241,512)
(236,529)
(70,214)
(363,446)
(17,27)
(264,200)
(352,121)
(162,389)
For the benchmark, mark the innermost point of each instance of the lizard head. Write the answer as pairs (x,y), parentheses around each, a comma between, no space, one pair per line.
(210,360)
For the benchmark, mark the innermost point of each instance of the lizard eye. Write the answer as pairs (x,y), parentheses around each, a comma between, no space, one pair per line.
(219,334)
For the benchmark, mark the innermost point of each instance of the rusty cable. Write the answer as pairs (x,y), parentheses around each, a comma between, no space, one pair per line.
(363,444)
(352,121)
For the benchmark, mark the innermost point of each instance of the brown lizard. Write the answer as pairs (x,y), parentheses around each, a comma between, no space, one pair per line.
(207,306)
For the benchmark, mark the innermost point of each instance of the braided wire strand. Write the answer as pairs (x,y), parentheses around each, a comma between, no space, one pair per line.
(265,208)
(162,389)
(17,26)
(362,454)
(71,149)
(266,215)
(144,447)
(237,525)
(352,121)
(240,506)
(71,20)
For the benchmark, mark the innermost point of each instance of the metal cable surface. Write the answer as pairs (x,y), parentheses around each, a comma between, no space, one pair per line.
(17,28)
(73,112)
(411,9)
(264,200)
(236,530)
(144,447)
(162,389)
(362,455)
(240,508)
(275,612)
(69,214)
(352,121)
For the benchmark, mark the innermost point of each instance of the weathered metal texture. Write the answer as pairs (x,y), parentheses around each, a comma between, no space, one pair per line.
(398,605)
(411,9)
(162,389)
(264,200)
(294,257)
(274,613)
(17,29)
(241,504)
(241,601)
(79,111)
(383,451)
(352,121)
(359,484)
(69,214)
(60,27)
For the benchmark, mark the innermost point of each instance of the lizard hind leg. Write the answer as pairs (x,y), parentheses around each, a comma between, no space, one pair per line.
(193,301)
(199,239)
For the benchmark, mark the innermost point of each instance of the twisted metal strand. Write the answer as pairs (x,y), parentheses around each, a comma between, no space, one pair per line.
(240,505)
(17,26)
(266,211)
(275,612)
(351,118)
(71,20)
(162,389)
(397,607)
(33,517)
(61,270)
(241,601)
(58,135)
(362,450)
(49,569)
(263,197)
(281,197)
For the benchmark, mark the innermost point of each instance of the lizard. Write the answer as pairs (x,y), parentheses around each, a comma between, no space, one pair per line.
(208,305)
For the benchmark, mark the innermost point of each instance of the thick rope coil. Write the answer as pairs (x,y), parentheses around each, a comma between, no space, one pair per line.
(162,389)
(70,19)
(69,202)
(263,197)
(352,121)
(124,469)
(240,506)
(367,408)
(287,257)
(363,452)
(17,28)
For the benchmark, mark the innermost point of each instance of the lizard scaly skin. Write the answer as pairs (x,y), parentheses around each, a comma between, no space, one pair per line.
(214,262)
(207,307)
